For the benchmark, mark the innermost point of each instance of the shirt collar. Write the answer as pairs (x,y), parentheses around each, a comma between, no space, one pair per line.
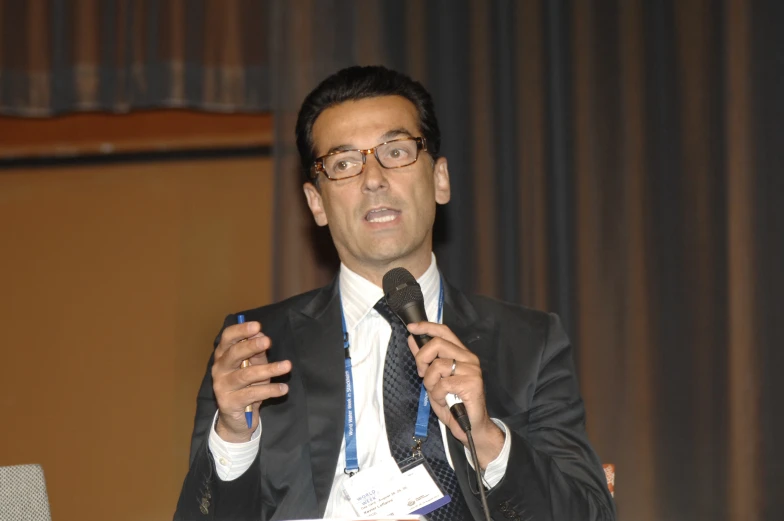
(358,295)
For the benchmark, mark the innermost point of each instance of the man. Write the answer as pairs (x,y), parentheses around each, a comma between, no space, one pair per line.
(326,418)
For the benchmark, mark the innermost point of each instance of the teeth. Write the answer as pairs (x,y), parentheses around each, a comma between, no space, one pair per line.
(383,219)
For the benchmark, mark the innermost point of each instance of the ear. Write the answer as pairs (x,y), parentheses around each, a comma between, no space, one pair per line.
(441,178)
(315,203)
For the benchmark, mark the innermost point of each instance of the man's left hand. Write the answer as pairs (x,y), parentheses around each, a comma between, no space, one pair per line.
(434,364)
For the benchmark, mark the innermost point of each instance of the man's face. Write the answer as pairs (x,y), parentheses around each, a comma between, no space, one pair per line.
(381,218)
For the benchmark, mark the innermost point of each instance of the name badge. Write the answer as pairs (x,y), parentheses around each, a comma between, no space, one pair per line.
(389,490)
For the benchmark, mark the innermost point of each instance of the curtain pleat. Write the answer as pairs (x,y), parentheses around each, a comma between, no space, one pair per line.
(486,229)
(531,154)
(632,428)
(764,158)
(743,401)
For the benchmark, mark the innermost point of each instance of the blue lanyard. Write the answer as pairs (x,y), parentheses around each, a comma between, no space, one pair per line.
(350,431)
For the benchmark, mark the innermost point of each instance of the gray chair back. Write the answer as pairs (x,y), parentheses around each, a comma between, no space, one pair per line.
(23,494)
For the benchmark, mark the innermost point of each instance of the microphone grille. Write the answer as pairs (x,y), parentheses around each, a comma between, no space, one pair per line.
(401,288)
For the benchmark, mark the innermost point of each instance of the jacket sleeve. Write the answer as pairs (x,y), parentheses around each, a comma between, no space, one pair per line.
(552,473)
(204,496)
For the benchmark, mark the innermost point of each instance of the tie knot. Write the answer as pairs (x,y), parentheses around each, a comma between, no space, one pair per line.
(385,311)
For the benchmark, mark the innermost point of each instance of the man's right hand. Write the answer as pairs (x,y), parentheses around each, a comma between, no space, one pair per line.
(236,387)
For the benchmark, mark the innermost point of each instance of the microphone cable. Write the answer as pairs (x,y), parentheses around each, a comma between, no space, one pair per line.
(458,410)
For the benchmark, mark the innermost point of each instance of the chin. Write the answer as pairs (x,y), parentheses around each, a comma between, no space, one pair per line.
(388,253)
(387,257)
(388,250)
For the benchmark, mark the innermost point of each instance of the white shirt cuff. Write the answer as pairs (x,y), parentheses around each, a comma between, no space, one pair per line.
(495,471)
(233,459)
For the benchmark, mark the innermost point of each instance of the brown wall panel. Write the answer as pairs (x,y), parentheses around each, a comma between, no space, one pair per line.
(114,281)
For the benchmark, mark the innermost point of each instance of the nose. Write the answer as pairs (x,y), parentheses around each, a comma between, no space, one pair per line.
(374,176)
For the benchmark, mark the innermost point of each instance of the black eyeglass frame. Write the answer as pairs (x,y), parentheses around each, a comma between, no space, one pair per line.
(318,164)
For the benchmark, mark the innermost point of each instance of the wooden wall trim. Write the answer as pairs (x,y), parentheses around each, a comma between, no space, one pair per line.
(143,131)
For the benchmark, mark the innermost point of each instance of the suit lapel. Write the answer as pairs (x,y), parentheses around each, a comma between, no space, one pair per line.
(478,336)
(319,348)
(461,317)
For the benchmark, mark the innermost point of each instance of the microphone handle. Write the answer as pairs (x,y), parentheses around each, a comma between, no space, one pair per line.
(421,340)
(452,400)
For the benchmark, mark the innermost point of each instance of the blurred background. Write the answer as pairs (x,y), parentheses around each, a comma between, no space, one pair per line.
(618,162)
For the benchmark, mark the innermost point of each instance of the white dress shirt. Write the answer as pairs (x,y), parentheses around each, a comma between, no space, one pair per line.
(369,334)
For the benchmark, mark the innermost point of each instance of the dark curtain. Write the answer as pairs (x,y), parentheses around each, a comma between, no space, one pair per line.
(59,56)
(616,161)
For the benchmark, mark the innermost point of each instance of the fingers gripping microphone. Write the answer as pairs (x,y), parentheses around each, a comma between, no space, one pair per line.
(404,296)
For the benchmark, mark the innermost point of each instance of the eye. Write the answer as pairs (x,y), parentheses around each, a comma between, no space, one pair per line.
(397,153)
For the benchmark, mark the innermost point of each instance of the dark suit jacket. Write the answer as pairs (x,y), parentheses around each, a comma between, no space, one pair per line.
(530,381)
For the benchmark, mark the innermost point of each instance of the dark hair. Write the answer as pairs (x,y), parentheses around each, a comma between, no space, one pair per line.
(356,83)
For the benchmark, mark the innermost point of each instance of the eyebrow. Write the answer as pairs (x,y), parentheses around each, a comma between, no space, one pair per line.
(387,136)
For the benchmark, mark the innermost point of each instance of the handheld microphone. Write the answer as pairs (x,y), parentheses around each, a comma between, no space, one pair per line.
(405,299)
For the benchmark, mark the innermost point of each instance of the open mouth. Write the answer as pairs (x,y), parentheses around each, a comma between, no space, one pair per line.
(382,215)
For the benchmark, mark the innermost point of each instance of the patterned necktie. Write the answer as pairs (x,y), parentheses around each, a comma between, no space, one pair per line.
(401,401)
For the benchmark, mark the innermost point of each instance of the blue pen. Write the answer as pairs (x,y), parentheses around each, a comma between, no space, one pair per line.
(246,363)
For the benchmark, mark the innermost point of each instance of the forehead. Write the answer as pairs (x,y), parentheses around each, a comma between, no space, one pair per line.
(361,123)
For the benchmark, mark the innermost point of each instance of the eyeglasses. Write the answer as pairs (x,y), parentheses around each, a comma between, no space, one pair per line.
(343,164)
